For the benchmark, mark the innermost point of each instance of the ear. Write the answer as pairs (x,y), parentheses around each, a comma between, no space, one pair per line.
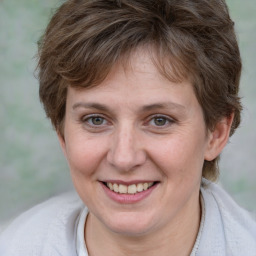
(62,143)
(218,138)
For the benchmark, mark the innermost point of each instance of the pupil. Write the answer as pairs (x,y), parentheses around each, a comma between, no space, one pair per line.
(97,120)
(160,121)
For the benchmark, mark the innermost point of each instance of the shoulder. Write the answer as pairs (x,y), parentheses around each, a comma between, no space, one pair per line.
(229,227)
(49,223)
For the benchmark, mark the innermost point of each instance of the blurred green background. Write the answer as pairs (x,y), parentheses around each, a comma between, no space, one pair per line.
(32,167)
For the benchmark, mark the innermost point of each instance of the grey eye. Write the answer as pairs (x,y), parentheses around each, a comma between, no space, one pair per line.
(97,120)
(160,121)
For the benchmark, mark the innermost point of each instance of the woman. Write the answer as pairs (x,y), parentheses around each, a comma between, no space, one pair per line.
(143,96)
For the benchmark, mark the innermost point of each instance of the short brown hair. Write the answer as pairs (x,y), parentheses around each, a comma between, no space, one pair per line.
(191,39)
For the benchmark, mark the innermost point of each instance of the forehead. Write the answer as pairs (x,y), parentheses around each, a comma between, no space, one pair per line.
(145,61)
(164,62)
(135,83)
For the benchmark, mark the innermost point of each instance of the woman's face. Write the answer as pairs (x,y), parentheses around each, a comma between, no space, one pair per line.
(143,136)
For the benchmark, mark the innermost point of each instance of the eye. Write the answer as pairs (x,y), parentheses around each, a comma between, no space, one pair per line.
(160,121)
(94,120)
(97,120)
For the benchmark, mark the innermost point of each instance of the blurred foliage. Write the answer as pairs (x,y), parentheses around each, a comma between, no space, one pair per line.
(32,167)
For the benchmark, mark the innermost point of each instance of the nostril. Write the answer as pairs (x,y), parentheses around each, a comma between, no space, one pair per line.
(121,160)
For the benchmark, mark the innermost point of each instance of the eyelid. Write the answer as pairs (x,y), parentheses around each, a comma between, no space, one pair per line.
(169,119)
(85,118)
(161,115)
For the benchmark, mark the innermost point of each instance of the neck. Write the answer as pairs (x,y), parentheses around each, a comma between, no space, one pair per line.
(177,238)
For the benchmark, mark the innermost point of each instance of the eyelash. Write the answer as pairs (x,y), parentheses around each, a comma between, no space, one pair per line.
(88,121)
(167,120)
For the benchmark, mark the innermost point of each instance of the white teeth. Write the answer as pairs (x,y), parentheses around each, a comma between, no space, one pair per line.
(110,185)
(145,186)
(116,188)
(123,189)
(131,189)
(140,187)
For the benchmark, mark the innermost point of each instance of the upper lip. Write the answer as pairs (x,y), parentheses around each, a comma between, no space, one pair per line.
(127,183)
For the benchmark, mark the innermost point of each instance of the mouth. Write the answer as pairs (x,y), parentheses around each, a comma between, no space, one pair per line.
(130,189)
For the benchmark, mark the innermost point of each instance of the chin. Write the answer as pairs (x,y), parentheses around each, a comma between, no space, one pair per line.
(130,224)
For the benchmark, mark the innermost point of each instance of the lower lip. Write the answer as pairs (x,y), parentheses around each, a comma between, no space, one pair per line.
(128,198)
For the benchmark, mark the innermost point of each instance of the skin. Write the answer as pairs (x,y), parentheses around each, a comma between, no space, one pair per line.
(136,126)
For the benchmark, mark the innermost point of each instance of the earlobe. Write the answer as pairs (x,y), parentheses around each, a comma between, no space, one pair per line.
(218,138)
(62,142)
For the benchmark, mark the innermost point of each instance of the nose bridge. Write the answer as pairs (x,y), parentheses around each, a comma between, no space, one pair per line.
(126,152)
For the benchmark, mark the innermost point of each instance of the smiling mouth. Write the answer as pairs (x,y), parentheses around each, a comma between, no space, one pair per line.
(129,189)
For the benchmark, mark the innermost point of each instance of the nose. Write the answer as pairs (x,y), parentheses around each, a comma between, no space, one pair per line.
(126,150)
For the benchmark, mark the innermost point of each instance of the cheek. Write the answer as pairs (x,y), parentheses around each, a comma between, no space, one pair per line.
(179,156)
(83,155)
(84,158)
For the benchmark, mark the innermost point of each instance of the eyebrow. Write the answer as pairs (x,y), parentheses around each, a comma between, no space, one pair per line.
(90,105)
(164,105)
(149,107)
